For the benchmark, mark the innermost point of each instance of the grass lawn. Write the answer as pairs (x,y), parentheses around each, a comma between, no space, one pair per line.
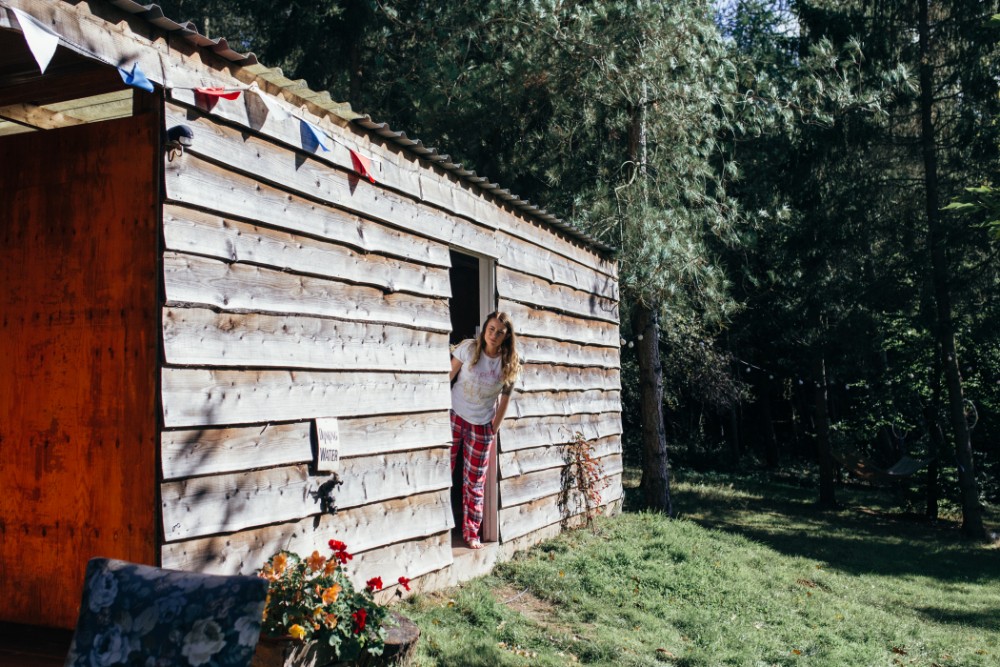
(750,574)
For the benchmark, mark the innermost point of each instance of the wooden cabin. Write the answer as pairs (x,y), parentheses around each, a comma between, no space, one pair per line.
(192,336)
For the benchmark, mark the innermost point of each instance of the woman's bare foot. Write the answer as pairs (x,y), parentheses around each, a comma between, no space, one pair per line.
(474,543)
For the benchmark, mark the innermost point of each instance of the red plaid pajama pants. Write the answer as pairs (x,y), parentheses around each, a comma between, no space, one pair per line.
(475,441)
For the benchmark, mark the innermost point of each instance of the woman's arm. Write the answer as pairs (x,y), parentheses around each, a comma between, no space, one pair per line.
(501,411)
(456,366)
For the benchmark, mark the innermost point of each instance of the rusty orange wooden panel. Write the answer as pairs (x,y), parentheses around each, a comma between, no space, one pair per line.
(78,357)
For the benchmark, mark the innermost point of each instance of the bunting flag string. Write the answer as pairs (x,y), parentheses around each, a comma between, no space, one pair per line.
(136,78)
(362,165)
(42,41)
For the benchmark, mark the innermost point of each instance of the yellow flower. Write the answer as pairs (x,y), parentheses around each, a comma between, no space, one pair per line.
(297,631)
(330,594)
(315,561)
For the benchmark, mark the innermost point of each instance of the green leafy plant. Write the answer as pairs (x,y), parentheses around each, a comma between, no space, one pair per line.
(312,599)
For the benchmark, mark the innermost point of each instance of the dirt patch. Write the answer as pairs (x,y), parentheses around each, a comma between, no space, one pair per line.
(536,610)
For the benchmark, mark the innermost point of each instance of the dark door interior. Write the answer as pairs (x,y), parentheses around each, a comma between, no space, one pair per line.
(464,320)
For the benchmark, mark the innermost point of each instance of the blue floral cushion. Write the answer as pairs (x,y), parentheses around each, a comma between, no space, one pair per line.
(143,616)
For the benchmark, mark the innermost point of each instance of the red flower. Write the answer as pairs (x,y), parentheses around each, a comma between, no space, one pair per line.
(360,618)
(343,556)
(404,582)
(375,583)
(337,545)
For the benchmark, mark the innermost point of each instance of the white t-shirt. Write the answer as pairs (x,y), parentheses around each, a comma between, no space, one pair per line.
(476,389)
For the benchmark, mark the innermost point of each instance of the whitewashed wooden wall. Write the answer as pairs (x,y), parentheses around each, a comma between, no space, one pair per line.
(293,290)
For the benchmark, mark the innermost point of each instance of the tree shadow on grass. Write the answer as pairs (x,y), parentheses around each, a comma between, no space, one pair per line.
(985,619)
(855,539)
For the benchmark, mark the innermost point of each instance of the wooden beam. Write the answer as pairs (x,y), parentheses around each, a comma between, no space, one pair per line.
(36,116)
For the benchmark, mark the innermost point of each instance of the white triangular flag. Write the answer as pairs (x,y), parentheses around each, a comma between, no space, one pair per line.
(274,107)
(41,40)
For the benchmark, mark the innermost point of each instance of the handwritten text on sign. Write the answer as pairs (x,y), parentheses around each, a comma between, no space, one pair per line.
(327,445)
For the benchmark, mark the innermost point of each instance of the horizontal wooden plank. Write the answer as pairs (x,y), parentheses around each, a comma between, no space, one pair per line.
(539,431)
(545,263)
(392,168)
(190,279)
(528,517)
(549,377)
(361,528)
(403,559)
(203,184)
(527,289)
(227,503)
(520,462)
(535,232)
(539,484)
(192,231)
(302,174)
(193,397)
(548,351)
(541,323)
(190,452)
(565,403)
(196,336)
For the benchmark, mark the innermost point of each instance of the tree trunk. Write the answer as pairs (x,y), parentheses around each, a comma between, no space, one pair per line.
(972,511)
(655,465)
(824,453)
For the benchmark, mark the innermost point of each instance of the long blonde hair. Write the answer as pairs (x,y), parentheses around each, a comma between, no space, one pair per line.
(510,361)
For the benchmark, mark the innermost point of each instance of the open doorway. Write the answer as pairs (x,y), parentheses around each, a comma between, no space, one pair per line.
(473,297)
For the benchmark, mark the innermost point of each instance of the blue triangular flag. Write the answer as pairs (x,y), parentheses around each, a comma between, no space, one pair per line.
(318,134)
(136,78)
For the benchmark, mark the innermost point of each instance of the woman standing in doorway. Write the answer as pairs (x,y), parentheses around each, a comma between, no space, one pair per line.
(483,371)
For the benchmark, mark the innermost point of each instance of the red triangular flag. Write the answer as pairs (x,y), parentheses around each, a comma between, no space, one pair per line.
(219,92)
(362,165)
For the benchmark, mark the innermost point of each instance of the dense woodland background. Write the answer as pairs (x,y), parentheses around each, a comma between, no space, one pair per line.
(776,175)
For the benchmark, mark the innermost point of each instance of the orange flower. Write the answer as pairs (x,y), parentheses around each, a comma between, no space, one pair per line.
(330,567)
(297,631)
(280,562)
(315,561)
(330,620)
(330,594)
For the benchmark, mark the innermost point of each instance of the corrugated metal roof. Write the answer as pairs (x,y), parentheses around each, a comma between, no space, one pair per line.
(220,47)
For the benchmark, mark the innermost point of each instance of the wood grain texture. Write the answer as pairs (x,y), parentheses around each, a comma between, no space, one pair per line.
(195,182)
(209,451)
(531,486)
(361,528)
(78,338)
(548,351)
(531,432)
(528,517)
(213,398)
(196,336)
(535,232)
(306,176)
(190,279)
(549,377)
(564,403)
(203,506)
(542,323)
(195,232)
(520,462)
(538,292)
(543,262)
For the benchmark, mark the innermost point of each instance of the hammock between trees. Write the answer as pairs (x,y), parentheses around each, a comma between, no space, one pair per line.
(864,468)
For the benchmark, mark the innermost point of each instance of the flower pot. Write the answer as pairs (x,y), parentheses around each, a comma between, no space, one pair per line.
(400,644)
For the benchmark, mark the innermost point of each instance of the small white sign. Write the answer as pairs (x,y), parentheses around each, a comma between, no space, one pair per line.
(327,445)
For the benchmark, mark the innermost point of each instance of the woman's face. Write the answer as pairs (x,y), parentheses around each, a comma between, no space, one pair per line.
(496,333)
